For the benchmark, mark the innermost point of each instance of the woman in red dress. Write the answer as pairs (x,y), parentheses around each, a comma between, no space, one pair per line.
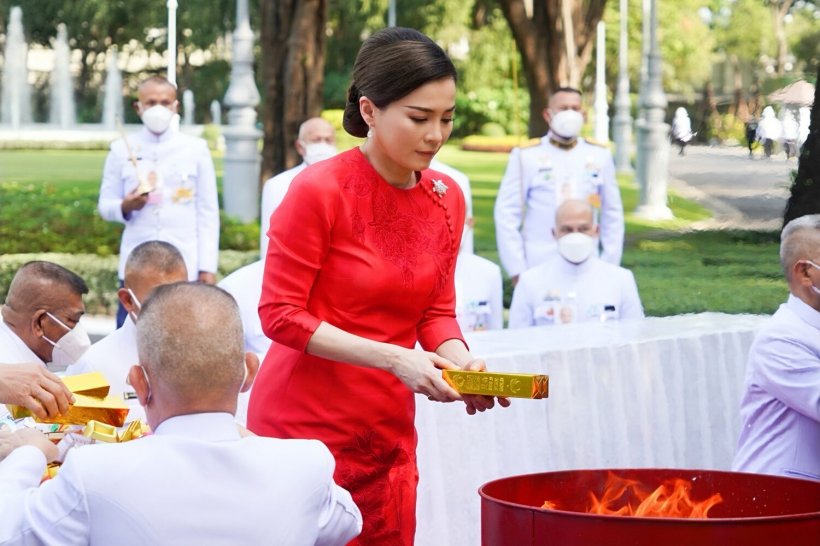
(359,268)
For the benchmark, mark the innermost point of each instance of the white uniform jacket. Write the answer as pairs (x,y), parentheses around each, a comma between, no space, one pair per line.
(537,180)
(559,292)
(780,410)
(194,481)
(183,209)
(463,181)
(113,356)
(479,294)
(273,192)
(245,285)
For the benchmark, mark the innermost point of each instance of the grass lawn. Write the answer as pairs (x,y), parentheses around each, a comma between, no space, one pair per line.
(677,271)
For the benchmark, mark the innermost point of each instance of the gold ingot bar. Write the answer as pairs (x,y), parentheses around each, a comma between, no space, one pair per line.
(89,384)
(133,431)
(100,431)
(510,385)
(110,410)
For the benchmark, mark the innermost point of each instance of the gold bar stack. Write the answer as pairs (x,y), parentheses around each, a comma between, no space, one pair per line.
(509,385)
(91,403)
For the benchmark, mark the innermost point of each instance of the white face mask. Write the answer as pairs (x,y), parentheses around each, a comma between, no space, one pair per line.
(69,348)
(566,123)
(318,151)
(577,247)
(157,118)
(136,302)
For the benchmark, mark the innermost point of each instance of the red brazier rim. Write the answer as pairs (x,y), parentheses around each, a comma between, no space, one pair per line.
(683,473)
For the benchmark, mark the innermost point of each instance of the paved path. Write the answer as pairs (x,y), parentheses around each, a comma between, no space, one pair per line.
(741,192)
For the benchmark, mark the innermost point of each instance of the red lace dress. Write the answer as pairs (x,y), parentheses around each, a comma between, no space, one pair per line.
(349,249)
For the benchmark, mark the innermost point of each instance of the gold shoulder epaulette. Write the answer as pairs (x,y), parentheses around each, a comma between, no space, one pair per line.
(596,143)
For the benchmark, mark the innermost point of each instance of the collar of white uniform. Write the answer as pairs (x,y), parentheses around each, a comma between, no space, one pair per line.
(567,268)
(806,312)
(151,137)
(561,142)
(212,427)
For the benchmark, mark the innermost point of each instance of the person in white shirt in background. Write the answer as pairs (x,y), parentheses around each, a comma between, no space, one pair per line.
(161,184)
(803,122)
(788,138)
(769,130)
(316,141)
(245,285)
(573,284)
(150,264)
(479,287)
(196,479)
(681,129)
(539,178)
(780,410)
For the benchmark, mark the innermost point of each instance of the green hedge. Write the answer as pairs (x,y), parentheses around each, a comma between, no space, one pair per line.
(100,273)
(63,218)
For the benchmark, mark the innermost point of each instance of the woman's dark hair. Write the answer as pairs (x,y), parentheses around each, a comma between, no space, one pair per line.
(391,64)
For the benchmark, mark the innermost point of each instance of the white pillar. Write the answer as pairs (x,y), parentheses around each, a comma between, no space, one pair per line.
(391,13)
(601,106)
(622,124)
(172,42)
(240,187)
(653,168)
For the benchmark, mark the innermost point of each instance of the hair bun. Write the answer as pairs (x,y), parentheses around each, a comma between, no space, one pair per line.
(352,121)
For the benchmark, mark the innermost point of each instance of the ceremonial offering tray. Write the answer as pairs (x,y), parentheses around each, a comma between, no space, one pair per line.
(510,385)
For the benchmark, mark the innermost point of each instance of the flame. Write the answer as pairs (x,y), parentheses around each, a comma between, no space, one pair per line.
(624,497)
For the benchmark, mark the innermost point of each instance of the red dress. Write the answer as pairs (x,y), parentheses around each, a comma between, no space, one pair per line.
(349,249)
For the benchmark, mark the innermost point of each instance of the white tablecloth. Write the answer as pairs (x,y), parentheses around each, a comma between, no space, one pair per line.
(663,392)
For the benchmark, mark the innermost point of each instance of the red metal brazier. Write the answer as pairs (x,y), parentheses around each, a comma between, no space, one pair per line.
(756,510)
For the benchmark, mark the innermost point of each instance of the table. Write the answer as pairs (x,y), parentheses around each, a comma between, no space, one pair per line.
(662,392)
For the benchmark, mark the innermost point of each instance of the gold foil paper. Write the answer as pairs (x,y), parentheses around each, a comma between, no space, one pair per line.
(510,385)
(89,384)
(134,430)
(110,410)
(100,432)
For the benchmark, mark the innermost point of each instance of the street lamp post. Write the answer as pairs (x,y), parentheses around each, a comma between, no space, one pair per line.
(172,42)
(622,123)
(653,166)
(601,106)
(241,164)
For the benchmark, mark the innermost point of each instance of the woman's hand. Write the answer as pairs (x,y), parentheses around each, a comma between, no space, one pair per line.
(421,372)
(477,402)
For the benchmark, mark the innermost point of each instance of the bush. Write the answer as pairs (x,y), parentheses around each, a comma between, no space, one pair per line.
(729,129)
(485,105)
(63,218)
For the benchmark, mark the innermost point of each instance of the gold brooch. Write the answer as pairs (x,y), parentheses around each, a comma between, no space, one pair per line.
(439,187)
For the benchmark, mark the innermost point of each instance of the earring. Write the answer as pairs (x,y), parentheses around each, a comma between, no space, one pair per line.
(370,132)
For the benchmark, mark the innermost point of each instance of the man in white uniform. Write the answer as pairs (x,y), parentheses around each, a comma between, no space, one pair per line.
(539,178)
(196,480)
(316,141)
(39,326)
(161,184)
(573,284)
(150,264)
(245,285)
(780,410)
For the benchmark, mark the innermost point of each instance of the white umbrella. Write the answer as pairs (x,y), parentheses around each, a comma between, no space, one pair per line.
(800,93)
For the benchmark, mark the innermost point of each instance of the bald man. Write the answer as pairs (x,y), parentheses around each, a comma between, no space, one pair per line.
(195,480)
(780,410)
(150,264)
(160,183)
(316,141)
(574,284)
(40,327)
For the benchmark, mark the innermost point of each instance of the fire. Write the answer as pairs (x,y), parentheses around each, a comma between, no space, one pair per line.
(624,497)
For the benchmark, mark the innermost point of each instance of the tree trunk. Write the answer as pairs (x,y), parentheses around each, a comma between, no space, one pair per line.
(293,62)
(550,58)
(779,10)
(805,191)
(740,109)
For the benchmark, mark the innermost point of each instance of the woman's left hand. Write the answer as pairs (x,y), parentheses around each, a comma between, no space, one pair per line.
(477,402)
